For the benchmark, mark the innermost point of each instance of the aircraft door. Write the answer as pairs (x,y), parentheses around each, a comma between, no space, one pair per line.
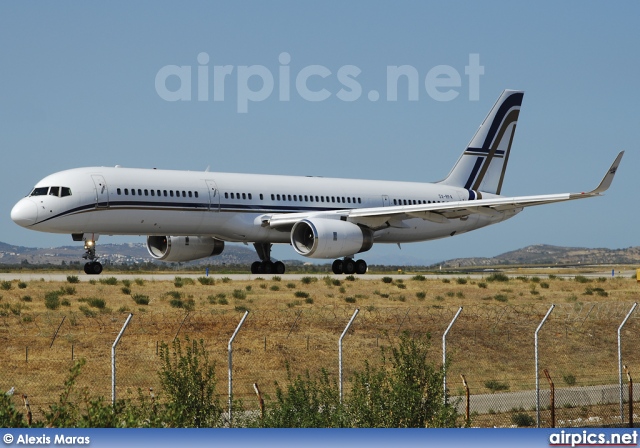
(385,200)
(102,192)
(214,195)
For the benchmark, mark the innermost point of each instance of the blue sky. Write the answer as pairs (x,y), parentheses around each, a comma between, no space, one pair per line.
(78,88)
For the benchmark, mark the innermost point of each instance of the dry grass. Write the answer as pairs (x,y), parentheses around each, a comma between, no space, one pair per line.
(297,323)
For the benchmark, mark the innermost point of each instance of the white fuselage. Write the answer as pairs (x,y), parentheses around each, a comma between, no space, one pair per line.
(229,207)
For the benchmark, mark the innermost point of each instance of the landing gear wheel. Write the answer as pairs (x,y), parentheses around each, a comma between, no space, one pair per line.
(349,266)
(336,267)
(361,267)
(93,268)
(267,267)
(279,267)
(256,267)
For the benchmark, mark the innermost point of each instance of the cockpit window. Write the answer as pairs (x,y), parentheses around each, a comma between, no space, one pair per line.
(52,191)
(40,191)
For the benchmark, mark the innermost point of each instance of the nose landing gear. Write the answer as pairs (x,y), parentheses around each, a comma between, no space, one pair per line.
(92,267)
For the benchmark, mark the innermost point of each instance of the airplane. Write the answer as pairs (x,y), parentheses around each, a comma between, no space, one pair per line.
(188,215)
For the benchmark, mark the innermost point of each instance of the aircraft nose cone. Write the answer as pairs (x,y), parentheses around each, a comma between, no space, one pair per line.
(24,213)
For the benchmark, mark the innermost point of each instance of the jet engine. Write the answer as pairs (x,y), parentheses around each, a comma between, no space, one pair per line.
(329,238)
(183,248)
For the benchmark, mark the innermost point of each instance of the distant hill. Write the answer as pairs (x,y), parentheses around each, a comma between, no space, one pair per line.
(553,255)
(129,253)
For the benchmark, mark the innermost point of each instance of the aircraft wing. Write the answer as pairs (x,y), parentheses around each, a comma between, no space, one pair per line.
(379,217)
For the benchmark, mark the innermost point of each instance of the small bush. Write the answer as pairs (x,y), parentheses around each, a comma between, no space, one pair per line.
(274,288)
(88,312)
(5,285)
(291,285)
(308,300)
(68,290)
(276,278)
(350,299)
(97,303)
(461,281)
(22,285)
(52,300)
(73,279)
(501,298)
(544,285)
(401,286)
(175,294)
(418,278)
(446,280)
(241,308)
(387,280)
(350,278)
(569,379)
(482,285)
(139,281)
(126,283)
(522,419)
(301,294)
(125,290)
(308,280)
(498,277)
(109,281)
(239,294)
(206,281)
(140,299)
(421,295)
(582,279)
(496,386)
(26,299)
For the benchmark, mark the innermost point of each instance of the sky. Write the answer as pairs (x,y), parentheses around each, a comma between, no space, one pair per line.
(95,84)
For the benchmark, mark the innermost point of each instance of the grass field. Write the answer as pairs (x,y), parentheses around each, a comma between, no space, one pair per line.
(296,324)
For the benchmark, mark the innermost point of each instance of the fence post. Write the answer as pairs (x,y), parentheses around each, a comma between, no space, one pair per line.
(537,368)
(230,349)
(340,348)
(620,360)
(444,355)
(626,370)
(552,401)
(467,414)
(113,360)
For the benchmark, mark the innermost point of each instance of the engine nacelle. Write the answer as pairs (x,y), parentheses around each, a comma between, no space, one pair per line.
(183,248)
(329,238)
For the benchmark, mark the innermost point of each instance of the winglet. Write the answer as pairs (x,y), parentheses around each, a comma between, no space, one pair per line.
(605,183)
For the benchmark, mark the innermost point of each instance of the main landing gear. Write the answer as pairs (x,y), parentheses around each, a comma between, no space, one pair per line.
(92,267)
(349,266)
(266,266)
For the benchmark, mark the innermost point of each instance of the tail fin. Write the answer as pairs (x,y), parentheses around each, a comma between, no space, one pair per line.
(482,165)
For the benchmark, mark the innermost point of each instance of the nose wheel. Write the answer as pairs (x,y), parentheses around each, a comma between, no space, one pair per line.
(93,268)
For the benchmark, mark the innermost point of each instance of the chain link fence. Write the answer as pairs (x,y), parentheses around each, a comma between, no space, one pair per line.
(491,346)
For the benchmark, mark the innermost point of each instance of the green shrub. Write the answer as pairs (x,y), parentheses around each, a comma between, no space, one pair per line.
(125,290)
(140,299)
(496,386)
(291,285)
(126,283)
(421,295)
(239,294)
(22,285)
(522,419)
(52,300)
(350,299)
(569,379)
(174,294)
(498,277)
(26,299)
(188,379)
(501,297)
(206,281)
(351,278)
(418,278)
(5,285)
(482,285)
(387,280)
(581,279)
(109,281)
(301,294)
(274,288)
(461,281)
